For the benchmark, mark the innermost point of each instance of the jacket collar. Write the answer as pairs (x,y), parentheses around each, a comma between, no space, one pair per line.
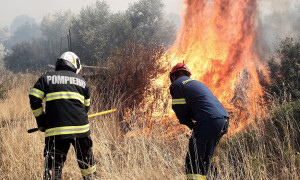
(179,80)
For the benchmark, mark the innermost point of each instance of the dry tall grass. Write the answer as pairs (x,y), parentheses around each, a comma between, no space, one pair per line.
(263,151)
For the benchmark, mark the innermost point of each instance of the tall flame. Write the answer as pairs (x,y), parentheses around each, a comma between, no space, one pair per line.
(217,43)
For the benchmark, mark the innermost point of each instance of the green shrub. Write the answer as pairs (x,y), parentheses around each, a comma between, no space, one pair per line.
(285,70)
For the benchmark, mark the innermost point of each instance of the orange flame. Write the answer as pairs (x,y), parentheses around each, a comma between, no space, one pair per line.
(217,43)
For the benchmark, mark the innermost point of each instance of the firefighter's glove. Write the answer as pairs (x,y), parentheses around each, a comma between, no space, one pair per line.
(191,125)
(42,129)
(41,122)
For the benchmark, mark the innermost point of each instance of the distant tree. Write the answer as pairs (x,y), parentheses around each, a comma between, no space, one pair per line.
(148,22)
(2,55)
(97,32)
(285,69)
(24,33)
(33,47)
(117,32)
(27,56)
(90,32)
(19,21)
(4,34)
(55,28)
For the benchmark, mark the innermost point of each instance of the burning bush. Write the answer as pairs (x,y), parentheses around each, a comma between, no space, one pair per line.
(128,72)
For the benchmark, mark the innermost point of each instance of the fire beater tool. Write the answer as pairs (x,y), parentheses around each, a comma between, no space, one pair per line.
(89,116)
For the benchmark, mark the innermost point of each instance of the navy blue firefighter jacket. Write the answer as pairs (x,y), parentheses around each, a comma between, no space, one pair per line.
(192,100)
(67,97)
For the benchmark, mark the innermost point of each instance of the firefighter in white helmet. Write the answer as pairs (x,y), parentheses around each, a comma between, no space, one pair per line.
(65,119)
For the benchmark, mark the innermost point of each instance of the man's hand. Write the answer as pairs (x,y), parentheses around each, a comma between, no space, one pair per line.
(42,129)
(41,122)
(191,125)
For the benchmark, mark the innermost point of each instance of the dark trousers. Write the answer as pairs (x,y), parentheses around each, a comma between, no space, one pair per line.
(56,151)
(205,137)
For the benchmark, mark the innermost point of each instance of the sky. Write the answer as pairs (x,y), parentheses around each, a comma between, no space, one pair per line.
(9,9)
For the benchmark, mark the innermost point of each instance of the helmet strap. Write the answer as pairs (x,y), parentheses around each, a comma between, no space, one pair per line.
(78,63)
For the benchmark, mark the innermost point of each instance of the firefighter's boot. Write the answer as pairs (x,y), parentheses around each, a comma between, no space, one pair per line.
(53,175)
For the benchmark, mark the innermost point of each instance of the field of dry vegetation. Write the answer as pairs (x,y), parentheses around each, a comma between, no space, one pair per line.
(267,149)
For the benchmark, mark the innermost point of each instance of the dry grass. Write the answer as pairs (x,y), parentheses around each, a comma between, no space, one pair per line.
(261,152)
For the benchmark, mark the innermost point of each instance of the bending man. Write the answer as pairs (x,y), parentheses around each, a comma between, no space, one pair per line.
(193,101)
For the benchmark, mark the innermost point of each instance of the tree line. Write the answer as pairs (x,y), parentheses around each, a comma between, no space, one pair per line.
(94,33)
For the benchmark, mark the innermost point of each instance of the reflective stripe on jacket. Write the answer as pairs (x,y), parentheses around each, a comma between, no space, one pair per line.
(67,130)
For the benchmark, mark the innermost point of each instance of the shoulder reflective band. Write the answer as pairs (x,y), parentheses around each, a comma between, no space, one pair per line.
(65,95)
(37,93)
(38,112)
(195,176)
(67,130)
(178,101)
(88,171)
(87,102)
(186,81)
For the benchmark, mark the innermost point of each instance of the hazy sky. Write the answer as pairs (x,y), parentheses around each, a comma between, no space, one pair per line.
(9,9)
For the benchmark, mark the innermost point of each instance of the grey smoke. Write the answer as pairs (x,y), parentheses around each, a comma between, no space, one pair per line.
(278,19)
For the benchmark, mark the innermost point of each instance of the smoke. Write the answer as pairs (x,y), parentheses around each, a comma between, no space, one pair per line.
(278,5)
(278,19)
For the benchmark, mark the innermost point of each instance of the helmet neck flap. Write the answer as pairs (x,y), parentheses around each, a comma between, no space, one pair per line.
(68,61)
(62,64)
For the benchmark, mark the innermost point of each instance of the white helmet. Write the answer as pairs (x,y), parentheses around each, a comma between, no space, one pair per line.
(71,60)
